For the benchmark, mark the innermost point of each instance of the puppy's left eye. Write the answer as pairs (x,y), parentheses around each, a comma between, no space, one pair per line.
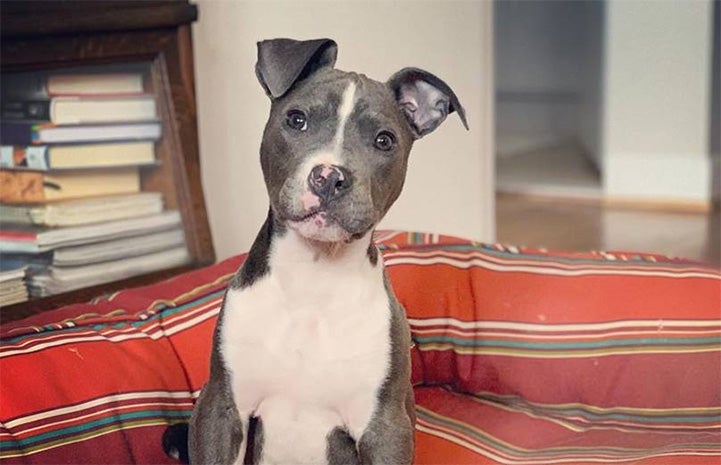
(385,141)
(297,120)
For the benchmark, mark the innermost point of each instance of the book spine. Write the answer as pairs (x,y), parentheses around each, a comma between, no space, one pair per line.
(18,133)
(21,187)
(24,86)
(31,158)
(25,110)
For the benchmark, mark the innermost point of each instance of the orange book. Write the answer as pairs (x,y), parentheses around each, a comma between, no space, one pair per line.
(34,187)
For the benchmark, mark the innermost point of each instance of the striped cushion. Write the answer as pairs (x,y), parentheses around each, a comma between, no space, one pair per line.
(488,429)
(594,326)
(99,383)
(561,357)
(520,356)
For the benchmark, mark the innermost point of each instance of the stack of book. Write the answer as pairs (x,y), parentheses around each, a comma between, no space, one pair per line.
(12,284)
(72,211)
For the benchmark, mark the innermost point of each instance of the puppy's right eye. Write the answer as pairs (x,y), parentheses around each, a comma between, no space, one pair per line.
(385,140)
(297,120)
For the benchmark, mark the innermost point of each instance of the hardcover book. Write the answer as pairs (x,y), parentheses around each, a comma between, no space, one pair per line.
(81,109)
(29,133)
(41,86)
(34,240)
(117,249)
(84,211)
(57,280)
(98,252)
(54,157)
(12,282)
(32,187)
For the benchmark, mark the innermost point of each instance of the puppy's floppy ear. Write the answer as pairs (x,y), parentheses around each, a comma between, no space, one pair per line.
(425,99)
(283,62)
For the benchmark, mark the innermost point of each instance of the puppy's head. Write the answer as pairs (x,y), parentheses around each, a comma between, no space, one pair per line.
(335,148)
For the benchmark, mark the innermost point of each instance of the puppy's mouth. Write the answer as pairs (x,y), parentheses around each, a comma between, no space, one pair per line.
(308,215)
(318,225)
(320,218)
(322,225)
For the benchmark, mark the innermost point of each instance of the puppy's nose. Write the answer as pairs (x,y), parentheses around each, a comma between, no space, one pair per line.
(329,181)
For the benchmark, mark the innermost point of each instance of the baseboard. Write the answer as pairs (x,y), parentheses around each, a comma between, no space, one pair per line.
(665,205)
(564,197)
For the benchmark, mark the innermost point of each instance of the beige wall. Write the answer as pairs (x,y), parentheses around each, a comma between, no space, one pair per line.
(449,188)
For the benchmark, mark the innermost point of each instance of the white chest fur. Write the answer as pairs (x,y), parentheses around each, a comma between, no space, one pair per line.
(308,347)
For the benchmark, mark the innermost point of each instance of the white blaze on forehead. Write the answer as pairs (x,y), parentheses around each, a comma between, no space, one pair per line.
(344,110)
(329,155)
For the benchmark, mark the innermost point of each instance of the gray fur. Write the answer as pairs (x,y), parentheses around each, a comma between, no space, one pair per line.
(215,416)
(426,108)
(372,253)
(389,437)
(283,62)
(255,448)
(256,264)
(342,448)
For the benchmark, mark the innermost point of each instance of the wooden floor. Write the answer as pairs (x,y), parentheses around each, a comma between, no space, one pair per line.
(587,225)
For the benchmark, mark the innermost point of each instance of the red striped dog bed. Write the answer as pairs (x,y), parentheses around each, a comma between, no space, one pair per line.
(521,356)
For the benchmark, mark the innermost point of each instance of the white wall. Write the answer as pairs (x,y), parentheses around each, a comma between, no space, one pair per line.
(449,188)
(657,100)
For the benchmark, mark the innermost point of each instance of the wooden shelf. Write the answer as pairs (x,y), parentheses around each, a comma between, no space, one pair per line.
(52,17)
(52,35)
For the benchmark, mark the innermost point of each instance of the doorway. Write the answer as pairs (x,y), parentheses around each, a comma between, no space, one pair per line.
(554,185)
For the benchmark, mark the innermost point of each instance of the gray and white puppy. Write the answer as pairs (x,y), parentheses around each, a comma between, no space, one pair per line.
(311,346)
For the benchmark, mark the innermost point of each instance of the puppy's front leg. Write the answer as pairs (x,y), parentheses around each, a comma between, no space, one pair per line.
(389,437)
(218,432)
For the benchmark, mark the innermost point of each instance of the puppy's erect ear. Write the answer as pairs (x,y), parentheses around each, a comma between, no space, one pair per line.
(283,62)
(425,99)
